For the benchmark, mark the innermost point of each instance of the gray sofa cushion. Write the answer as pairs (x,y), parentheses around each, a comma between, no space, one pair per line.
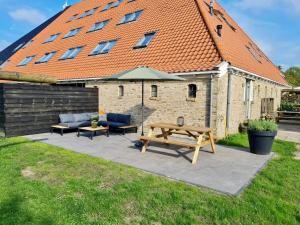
(82,117)
(76,124)
(66,118)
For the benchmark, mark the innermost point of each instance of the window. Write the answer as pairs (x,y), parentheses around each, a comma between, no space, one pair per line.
(121,91)
(27,60)
(154,91)
(72,32)
(104,47)
(27,44)
(131,17)
(98,26)
(117,3)
(71,53)
(88,13)
(255,55)
(52,38)
(248,91)
(46,57)
(145,41)
(18,47)
(108,6)
(192,93)
(72,18)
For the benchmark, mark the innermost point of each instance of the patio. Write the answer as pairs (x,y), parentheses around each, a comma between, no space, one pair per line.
(228,171)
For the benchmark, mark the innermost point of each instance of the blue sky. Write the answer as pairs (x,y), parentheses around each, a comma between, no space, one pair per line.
(273,24)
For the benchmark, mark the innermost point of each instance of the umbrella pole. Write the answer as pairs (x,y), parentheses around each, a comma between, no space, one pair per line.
(142,107)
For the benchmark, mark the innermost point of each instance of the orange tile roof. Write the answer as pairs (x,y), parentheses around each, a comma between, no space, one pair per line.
(186,41)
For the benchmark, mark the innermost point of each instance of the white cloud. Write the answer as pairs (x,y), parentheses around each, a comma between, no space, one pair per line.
(29,15)
(4,44)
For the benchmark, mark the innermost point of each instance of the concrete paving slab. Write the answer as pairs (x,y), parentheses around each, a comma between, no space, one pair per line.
(228,171)
(289,131)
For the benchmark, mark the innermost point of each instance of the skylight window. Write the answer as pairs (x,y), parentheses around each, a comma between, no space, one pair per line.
(88,12)
(254,53)
(27,44)
(52,38)
(71,53)
(46,57)
(145,41)
(131,17)
(72,32)
(98,26)
(108,6)
(72,18)
(103,47)
(18,47)
(130,1)
(117,3)
(27,60)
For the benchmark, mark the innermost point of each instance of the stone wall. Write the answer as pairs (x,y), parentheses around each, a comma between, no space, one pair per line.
(172,101)
(261,89)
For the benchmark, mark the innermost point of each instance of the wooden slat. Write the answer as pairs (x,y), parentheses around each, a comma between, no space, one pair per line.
(171,142)
(31,109)
(178,128)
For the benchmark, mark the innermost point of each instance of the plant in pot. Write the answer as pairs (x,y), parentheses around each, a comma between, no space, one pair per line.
(94,121)
(261,135)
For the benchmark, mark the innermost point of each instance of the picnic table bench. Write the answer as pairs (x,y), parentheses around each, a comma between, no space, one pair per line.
(202,136)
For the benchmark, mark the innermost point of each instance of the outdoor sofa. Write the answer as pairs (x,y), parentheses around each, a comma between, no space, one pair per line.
(114,121)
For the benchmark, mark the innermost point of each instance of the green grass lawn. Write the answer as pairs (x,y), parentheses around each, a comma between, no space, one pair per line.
(43,184)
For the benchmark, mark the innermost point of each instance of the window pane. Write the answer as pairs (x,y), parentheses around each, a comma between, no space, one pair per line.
(192,91)
(121,91)
(154,91)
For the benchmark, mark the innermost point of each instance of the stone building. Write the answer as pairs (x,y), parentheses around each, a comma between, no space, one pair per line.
(228,77)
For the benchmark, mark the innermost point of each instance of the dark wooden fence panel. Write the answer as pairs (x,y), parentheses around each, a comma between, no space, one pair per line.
(32,109)
(1,111)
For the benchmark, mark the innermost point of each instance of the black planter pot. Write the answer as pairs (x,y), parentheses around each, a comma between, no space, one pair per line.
(261,141)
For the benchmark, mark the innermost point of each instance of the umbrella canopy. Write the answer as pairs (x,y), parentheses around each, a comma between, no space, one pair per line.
(144,73)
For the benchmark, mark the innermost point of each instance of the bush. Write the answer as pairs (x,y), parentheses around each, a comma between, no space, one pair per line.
(263,125)
(287,106)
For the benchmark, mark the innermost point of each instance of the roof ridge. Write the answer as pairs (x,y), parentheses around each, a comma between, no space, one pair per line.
(211,32)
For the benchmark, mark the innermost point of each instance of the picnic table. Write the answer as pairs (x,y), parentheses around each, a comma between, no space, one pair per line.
(202,136)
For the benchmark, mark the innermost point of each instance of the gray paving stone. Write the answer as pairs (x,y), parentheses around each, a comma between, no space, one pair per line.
(228,171)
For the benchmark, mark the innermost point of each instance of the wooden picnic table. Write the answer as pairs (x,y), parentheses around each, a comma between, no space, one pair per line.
(202,136)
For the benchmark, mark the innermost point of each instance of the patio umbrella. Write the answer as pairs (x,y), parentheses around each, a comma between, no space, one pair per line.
(144,74)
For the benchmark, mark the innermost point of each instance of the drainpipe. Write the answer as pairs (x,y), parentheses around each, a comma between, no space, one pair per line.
(228,111)
(211,101)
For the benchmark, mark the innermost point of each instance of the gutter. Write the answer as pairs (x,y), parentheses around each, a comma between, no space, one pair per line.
(256,75)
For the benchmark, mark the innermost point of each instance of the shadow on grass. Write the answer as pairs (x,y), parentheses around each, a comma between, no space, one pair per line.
(12,211)
(10,144)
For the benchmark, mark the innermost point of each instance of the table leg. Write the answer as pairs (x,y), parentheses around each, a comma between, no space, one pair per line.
(144,149)
(62,132)
(78,133)
(107,133)
(51,130)
(212,143)
(164,133)
(197,149)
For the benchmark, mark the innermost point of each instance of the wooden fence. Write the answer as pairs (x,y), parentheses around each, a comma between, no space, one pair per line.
(31,109)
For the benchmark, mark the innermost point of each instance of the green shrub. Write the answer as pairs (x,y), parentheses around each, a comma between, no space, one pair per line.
(287,106)
(263,125)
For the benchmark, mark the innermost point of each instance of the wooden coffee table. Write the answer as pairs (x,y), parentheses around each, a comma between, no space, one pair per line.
(58,127)
(93,131)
